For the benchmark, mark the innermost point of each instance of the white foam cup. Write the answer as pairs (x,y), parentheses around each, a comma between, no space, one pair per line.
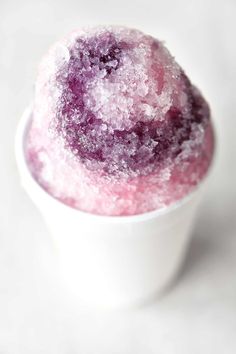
(112,260)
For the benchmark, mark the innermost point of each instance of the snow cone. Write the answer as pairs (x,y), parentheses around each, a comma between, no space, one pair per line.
(114,151)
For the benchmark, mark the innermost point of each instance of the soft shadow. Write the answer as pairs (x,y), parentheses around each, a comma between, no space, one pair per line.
(214,228)
(198,252)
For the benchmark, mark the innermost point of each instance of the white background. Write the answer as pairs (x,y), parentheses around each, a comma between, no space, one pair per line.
(199,313)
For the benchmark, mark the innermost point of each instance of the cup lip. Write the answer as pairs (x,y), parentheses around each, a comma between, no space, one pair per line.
(25,172)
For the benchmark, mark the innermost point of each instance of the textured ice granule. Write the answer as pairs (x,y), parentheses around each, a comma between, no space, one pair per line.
(117,127)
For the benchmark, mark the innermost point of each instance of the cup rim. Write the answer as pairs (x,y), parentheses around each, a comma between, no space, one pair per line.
(25,172)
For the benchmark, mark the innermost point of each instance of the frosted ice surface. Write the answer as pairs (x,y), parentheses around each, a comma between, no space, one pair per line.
(117,128)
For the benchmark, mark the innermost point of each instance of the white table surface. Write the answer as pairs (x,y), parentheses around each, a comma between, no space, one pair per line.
(199,313)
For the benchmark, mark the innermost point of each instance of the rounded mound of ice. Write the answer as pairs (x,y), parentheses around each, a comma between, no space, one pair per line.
(118,119)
